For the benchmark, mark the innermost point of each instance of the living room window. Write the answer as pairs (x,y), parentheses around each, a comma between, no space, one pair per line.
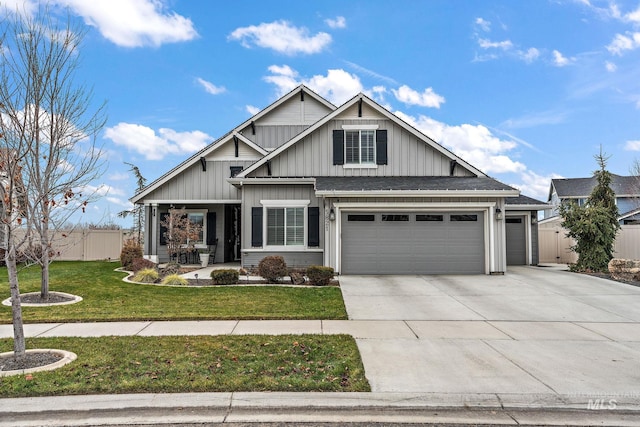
(360,147)
(198,218)
(285,226)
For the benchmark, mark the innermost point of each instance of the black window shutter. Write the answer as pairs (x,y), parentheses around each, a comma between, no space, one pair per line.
(163,229)
(381,147)
(313,222)
(338,147)
(256,227)
(211,228)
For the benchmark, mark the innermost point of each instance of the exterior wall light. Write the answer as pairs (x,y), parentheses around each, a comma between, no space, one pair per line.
(332,215)
(498,214)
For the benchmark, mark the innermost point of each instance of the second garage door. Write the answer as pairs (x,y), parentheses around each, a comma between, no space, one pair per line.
(413,243)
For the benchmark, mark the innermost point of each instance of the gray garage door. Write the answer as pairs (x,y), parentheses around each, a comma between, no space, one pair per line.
(413,243)
(516,241)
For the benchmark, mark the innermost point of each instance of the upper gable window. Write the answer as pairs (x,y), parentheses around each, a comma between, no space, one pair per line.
(360,147)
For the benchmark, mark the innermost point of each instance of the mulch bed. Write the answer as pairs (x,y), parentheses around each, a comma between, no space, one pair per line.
(30,360)
(609,277)
(54,298)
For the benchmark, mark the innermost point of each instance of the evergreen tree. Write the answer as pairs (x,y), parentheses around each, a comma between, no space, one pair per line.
(593,226)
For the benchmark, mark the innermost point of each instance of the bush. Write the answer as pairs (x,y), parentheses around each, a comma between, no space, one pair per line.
(175,280)
(170,268)
(227,276)
(272,268)
(141,264)
(147,275)
(319,275)
(130,251)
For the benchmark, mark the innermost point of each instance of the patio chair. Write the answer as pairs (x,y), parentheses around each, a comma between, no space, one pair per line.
(212,252)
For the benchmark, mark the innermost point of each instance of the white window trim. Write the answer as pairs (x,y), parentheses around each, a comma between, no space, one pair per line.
(360,127)
(360,165)
(285,204)
(201,244)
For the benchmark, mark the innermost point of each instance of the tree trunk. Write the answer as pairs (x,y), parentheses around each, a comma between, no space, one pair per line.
(19,346)
(44,272)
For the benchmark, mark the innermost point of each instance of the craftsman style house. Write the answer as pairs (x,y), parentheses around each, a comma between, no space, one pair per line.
(352,187)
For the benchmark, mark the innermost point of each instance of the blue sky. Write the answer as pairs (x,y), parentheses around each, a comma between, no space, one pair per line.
(524,90)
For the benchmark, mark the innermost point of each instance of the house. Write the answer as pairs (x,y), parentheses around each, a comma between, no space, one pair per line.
(352,187)
(626,188)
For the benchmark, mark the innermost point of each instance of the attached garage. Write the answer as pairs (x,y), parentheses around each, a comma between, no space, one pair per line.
(413,243)
(516,240)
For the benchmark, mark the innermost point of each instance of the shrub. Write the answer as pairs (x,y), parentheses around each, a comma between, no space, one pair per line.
(170,268)
(272,268)
(141,264)
(320,275)
(147,275)
(130,251)
(227,276)
(175,280)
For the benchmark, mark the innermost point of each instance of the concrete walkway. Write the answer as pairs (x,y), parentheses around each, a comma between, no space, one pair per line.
(528,344)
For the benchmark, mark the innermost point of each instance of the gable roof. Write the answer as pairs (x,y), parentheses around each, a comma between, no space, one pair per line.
(226,137)
(582,187)
(451,185)
(525,203)
(344,107)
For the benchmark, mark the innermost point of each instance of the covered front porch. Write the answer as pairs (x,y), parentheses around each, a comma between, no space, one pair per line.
(219,236)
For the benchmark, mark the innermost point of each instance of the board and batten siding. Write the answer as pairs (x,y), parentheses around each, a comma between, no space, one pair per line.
(196,184)
(407,155)
(272,136)
(252,195)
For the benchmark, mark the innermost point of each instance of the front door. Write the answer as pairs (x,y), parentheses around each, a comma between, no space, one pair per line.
(231,233)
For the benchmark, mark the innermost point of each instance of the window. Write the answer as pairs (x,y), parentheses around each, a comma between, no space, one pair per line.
(235,170)
(285,226)
(463,218)
(430,218)
(395,218)
(513,220)
(360,147)
(361,218)
(198,218)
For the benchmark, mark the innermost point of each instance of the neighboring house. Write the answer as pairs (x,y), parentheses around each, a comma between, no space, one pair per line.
(352,187)
(626,188)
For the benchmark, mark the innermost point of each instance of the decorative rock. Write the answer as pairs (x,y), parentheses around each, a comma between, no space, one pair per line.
(625,269)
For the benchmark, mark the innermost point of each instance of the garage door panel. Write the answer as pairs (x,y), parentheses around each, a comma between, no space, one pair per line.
(431,245)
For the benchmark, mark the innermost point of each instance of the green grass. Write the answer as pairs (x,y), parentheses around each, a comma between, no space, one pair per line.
(107,298)
(194,364)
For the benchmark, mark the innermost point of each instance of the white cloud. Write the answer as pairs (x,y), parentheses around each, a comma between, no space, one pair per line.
(21,6)
(483,24)
(152,146)
(339,22)
(134,23)
(282,37)
(488,44)
(559,60)
(529,55)
(252,110)
(632,146)
(428,98)
(534,185)
(622,43)
(610,66)
(337,86)
(210,87)
(120,202)
(474,143)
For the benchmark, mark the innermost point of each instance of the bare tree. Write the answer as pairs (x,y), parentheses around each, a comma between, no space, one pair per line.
(182,234)
(138,210)
(39,62)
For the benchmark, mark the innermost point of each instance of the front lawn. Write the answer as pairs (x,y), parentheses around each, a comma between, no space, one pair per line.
(107,298)
(194,364)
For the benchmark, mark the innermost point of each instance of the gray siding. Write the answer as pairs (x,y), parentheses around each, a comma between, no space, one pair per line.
(535,249)
(407,155)
(272,136)
(293,259)
(196,184)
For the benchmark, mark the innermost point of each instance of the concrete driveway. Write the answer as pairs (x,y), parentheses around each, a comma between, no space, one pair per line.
(533,331)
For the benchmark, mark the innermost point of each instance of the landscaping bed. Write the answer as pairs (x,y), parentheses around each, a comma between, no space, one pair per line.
(194,364)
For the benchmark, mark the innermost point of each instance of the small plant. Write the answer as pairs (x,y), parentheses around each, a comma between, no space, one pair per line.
(141,263)
(272,268)
(130,251)
(170,268)
(227,276)
(175,280)
(320,275)
(147,275)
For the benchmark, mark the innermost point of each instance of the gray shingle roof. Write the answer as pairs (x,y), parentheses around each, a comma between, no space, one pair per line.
(411,183)
(582,187)
(522,200)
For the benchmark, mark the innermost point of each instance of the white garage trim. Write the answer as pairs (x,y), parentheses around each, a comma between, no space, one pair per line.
(488,209)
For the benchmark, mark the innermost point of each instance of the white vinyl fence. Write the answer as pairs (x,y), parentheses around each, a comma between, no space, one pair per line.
(554,244)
